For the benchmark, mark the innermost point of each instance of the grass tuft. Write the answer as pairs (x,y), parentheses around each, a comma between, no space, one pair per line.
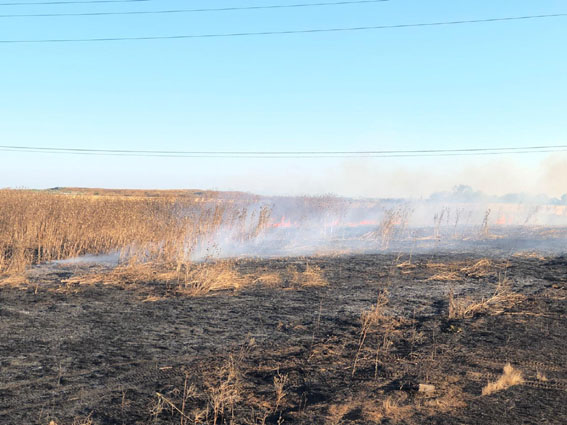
(509,378)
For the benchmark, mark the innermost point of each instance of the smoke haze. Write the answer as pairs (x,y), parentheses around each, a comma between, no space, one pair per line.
(415,178)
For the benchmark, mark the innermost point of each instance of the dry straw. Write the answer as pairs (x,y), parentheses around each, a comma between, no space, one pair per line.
(38,227)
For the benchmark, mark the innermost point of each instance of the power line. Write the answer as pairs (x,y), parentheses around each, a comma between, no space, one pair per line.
(196,10)
(286,32)
(38,3)
(296,156)
(286,152)
(292,157)
(289,154)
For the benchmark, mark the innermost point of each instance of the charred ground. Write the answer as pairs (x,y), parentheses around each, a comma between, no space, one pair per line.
(353,349)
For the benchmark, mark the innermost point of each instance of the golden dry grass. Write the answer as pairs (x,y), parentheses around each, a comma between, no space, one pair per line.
(450,399)
(270,279)
(398,407)
(203,278)
(481,268)
(458,270)
(393,407)
(502,299)
(310,276)
(336,412)
(38,227)
(194,279)
(379,325)
(509,378)
(445,276)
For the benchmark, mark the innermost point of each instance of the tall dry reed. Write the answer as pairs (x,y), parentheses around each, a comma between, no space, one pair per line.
(37,226)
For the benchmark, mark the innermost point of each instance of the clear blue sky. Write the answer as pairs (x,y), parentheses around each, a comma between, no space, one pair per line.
(478,85)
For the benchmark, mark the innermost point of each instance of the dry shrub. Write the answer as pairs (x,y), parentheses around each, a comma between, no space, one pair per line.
(509,378)
(503,298)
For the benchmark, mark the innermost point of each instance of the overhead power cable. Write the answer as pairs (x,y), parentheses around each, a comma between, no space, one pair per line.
(296,157)
(196,10)
(49,3)
(39,3)
(285,32)
(288,154)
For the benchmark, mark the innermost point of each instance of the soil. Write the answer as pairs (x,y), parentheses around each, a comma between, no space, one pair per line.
(124,354)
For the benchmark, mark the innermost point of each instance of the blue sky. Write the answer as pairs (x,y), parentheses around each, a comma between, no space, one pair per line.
(478,85)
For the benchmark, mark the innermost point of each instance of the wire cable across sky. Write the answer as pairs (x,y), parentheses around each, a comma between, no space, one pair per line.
(286,32)
(196,10)
(288,154)
(58,3)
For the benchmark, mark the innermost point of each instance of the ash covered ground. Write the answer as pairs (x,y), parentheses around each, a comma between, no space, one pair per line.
(380,338)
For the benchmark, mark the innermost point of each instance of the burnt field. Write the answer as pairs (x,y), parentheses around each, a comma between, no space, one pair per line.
(362,339)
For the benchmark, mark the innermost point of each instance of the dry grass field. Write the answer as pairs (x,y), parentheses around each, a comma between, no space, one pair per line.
(161,228)
(157,338)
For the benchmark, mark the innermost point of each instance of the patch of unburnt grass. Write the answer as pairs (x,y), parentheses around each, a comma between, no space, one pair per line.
(509,378)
